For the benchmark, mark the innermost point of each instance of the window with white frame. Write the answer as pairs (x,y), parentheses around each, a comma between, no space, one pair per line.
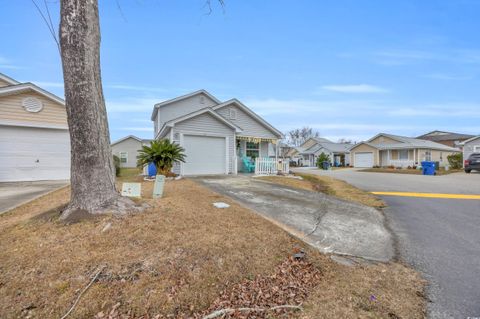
(123,157)
(476,149)
(403,155)
(428,155)
(252,149)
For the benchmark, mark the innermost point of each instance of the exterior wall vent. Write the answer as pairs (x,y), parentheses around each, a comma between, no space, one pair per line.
(32,104)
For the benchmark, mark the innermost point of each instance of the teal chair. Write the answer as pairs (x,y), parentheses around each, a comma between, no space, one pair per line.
(249,166)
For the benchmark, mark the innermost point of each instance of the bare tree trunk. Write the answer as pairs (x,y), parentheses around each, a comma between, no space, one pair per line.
(92,169)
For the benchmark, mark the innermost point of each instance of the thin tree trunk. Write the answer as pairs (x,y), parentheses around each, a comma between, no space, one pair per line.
(92,169)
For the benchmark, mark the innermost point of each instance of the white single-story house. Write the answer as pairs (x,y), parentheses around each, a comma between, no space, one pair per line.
(217,136)
(471,146)
(34,137)
(399,151)
(127,149)
(311,149)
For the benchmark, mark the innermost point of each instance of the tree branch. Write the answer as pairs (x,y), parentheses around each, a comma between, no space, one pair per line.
(83,291)
(48,21)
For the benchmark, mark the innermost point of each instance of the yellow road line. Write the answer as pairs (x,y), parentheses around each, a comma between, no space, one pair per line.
(428,195)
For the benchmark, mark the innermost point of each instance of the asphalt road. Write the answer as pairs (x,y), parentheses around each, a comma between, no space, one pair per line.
(438,237)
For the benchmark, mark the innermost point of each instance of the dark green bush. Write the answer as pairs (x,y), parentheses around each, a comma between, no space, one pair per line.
(322,158)
(116,162)
(455,160)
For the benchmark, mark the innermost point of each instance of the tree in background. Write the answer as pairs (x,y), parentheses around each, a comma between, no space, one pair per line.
(322,158)
(345,141)
(298,136)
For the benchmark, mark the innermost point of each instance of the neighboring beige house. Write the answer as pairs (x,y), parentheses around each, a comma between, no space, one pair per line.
(34,137)
(218,137)
(399,151)
(127,150)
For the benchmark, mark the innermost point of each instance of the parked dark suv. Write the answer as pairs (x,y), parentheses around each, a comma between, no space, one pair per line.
(472,163)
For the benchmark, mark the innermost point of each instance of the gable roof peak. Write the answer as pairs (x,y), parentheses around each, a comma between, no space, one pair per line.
(8,79)
(183,97)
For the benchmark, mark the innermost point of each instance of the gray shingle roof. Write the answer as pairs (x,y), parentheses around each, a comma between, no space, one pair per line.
(410,142)
(438,136)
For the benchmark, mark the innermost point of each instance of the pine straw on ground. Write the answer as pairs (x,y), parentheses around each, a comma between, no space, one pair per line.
(329,186)
(181,258)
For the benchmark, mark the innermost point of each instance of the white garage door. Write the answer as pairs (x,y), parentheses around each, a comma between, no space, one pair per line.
(205,155)
(363,159)
(34,154)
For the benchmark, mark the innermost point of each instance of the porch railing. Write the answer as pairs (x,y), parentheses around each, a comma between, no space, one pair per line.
(401,163)
(271,166)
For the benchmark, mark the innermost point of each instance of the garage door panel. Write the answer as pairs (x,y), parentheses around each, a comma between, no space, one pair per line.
(363,159)
(29,154)
(204,155)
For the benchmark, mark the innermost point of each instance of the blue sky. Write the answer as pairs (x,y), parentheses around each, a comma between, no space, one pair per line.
(349,69)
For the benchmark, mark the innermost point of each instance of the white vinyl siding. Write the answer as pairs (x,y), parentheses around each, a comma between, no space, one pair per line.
(249,125)
(471,147)
(32,154)
(127,149)
(180,108)
(207,125)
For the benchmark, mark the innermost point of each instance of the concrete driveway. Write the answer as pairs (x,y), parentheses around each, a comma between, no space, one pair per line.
(17,193)
(325,222)
(437,236)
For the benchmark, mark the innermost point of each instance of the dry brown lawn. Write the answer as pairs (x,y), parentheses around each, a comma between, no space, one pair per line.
(329,186)
(175,259)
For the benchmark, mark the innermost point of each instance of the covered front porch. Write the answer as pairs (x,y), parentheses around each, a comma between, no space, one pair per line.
(403,157)
(258,155)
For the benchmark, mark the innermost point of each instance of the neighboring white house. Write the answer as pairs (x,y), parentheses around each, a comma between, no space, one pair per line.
(34,137)
(216,135)
(471,146)
(127,150)
(311,149)
(338,153)
(399,151)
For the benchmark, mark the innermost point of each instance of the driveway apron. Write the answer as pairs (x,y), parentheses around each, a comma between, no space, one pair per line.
(329,224)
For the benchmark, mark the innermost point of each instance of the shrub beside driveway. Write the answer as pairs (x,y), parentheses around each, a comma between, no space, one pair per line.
(180,258)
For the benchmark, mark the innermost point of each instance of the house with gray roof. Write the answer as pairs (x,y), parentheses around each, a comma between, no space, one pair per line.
(393,150)
(219,137)
(471,146)
(446,138)
(127,149)
(311,149)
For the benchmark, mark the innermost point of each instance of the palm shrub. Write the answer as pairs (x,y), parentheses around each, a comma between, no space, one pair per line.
(162,153)
(322,158)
